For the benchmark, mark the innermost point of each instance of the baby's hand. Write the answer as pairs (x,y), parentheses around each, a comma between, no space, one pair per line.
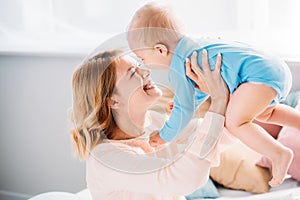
(155,139)
(170,105)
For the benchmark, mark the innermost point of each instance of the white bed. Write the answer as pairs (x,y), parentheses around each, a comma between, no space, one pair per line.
(289,190)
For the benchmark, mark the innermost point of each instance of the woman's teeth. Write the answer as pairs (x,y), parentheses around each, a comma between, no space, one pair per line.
(148,86)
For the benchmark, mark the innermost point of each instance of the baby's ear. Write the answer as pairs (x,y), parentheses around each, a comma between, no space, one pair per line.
(161,49)
(113,103)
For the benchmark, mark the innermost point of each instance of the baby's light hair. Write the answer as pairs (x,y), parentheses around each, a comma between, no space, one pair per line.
(153,24)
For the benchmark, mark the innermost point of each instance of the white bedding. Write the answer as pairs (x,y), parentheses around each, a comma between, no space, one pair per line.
(289,190)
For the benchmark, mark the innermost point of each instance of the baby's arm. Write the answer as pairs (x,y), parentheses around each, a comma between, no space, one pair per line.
(182,112)
(184,105)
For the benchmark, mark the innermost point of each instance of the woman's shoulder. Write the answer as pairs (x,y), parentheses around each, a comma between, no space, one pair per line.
(108,147)
(109,155)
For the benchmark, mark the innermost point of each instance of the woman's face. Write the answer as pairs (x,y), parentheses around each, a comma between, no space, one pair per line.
(134,87)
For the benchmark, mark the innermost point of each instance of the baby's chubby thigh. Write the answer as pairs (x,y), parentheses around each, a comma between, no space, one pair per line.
(248,102)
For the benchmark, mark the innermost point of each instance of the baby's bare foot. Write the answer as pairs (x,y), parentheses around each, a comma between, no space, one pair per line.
(280,166)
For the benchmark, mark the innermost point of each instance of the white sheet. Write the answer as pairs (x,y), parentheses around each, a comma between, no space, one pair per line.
(289,190)
(286,194)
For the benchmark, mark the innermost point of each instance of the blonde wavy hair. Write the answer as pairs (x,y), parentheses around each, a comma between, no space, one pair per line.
(93,84)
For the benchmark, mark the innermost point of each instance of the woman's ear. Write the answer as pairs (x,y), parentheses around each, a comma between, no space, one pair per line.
(161,49)
(113,103)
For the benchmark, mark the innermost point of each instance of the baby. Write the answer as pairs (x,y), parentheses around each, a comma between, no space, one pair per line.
(256,81)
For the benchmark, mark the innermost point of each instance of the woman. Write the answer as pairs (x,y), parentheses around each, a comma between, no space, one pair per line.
(111,97)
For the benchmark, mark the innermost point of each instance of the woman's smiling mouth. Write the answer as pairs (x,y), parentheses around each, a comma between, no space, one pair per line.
(148,86)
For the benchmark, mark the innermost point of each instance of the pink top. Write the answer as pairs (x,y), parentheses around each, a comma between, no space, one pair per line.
(132,169)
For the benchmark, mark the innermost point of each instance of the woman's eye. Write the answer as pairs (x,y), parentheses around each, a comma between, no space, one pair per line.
(132,73)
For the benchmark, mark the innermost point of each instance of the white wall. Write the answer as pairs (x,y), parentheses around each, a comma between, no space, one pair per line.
(295,68)
(35,150)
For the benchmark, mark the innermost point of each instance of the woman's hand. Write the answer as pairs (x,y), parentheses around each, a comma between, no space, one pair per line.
(208,81)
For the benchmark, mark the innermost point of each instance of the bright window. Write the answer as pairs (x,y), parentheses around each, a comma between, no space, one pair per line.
(82,24)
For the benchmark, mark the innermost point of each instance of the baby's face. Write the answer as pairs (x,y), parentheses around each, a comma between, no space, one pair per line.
(150,58)
(153,58)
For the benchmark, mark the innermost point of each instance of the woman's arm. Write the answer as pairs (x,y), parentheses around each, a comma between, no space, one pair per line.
(178,177)
(210,82)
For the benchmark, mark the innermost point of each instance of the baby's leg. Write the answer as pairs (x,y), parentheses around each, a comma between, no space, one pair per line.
(282,115)
(246,103)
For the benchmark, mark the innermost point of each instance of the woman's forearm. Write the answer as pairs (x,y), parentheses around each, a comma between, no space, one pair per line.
(212,123)
(219,104)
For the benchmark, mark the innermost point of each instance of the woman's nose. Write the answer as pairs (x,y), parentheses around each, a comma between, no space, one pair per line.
(144,73)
